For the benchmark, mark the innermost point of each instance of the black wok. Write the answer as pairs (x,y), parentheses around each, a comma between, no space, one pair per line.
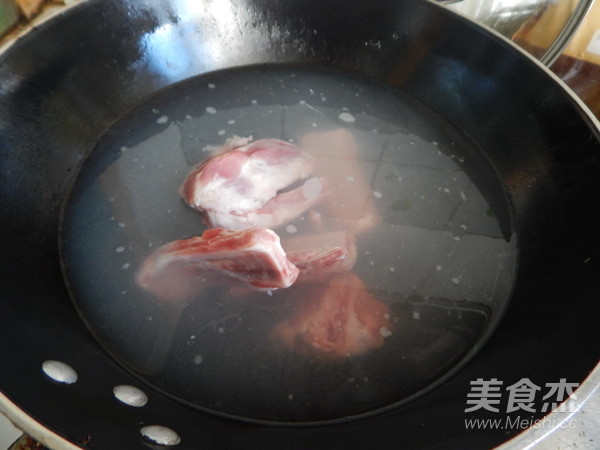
(64,83)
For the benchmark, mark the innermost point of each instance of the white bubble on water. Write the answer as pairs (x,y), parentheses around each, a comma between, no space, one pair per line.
(346,117)
(312,188)
(385,332)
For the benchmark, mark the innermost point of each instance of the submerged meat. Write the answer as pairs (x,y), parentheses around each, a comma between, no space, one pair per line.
(264,183)
(351,203)
(340,318)
(321,255)
(254,257)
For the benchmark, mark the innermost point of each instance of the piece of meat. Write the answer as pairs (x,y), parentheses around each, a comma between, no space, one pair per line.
(351,201)
(339,319)
(254,257)
(318,256)
(264,183)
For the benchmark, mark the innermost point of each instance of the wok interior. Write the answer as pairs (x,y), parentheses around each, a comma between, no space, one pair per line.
(424,284)
(62,86)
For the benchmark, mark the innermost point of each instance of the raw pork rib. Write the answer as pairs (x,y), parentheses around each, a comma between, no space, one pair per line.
(339,319)
(320,255)
(177,270)
(241,186)
(337,158)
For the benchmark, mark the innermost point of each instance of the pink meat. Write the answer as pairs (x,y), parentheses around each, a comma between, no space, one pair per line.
(245,185)
(253,257)
(338,319)
(320,255)
(351,202)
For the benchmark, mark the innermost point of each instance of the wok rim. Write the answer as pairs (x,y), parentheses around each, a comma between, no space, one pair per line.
(32,427)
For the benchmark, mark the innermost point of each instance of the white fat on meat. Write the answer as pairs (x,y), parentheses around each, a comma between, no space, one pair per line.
(265,183)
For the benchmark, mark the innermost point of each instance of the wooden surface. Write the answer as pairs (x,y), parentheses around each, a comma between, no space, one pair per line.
(29,7)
